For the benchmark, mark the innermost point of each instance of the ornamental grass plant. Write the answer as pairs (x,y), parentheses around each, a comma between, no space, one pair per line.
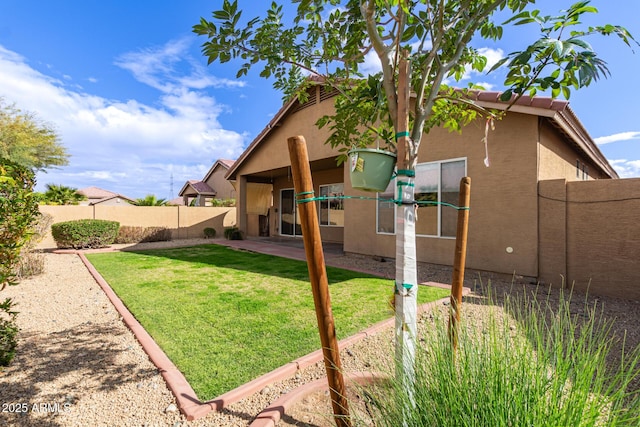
(532,361)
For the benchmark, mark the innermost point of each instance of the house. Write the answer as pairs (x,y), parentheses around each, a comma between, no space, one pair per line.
(540,139)
(214,185)
(99,196)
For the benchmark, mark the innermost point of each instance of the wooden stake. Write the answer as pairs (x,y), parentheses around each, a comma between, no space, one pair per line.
(459,261)
(301,172)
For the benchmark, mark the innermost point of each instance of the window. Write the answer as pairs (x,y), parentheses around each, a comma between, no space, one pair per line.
(386,211)
(435,183)
(332,210)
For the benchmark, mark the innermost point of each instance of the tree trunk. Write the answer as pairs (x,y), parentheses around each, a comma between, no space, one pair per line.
(406,287)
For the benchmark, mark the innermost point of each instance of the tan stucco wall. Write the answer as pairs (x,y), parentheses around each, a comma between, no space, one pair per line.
(603,236)
(183,221)
(504,216)
(552,238)
(223,188)
(503,200)
(273,152)
(598,229)
(557,160)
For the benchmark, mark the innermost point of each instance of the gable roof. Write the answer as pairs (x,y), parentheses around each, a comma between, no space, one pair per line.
(556,111)
(199,187)
(220,163)
(96,193)
(561,116)
(115,196)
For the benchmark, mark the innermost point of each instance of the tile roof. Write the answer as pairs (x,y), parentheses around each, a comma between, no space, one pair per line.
(227,163)
(96,193)
(556,110)
(201,187)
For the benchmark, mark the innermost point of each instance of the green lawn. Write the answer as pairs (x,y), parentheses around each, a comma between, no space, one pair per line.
(225,317)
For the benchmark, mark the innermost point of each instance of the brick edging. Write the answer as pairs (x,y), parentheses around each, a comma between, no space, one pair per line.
(186,398)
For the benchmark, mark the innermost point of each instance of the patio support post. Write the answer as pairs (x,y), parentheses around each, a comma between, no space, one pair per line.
(301,172)
(241,204)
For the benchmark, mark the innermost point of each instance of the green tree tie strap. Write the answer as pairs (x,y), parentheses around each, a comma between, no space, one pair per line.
(406,172)
(306,199)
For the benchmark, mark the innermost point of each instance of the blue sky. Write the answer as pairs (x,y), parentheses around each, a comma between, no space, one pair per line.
(132,99)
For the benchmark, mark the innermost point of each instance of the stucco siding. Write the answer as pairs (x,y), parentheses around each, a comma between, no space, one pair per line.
(222,187)
(273,152)
(503,200)
(557,160)
(603,236)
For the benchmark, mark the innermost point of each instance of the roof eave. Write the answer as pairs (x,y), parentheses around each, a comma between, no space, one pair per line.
(571,125)
(564,118)
(231,173)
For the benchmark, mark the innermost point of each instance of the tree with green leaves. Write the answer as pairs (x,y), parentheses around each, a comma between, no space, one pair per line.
(151,200)
(420,45)
(61,195)
(28,141)
(18,212)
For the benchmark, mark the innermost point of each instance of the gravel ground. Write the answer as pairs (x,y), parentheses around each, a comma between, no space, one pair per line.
(78,365)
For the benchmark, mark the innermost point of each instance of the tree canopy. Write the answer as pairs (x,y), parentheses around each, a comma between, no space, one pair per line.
(61,195)
(330,40)
(28,141)
(151,200)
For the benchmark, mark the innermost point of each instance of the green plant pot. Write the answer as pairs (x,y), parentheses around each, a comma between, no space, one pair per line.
(371,169)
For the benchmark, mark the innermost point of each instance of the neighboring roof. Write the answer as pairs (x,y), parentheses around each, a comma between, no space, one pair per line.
(199,187)
(226,163)
(178,201)
(96,193)
(557,111)
(222,163)
(115,196)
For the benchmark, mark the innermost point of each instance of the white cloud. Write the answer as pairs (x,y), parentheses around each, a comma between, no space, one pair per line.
(156,67)
(626,168)
(617,137)
(128,145)
(371,64)
(492,55)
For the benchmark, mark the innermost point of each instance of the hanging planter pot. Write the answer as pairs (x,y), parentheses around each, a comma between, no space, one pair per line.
(371,168)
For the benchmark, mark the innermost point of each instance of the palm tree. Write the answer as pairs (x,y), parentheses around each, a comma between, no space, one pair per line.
(151,200)
(62,195)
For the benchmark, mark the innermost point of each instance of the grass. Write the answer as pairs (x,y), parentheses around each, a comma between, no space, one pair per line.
(534,363)
(225,317)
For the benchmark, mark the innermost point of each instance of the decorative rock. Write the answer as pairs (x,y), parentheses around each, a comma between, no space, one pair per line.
(171,408)
(265,390)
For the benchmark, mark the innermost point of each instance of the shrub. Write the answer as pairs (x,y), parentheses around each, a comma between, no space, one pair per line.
(533,364)
(233,233)
(85,233)
(8,332)
(131,234)
(209,233)
(18,211)
(156,234)
(31,262)
(223,203)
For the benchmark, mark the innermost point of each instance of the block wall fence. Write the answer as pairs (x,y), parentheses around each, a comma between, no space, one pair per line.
(589,235)
(185,222)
